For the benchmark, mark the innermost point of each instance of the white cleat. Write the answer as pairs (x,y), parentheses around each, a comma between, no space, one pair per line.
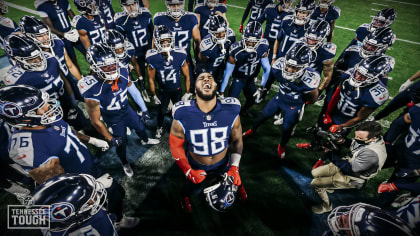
(159,132)
(278,121)
(127,170)
(150,141)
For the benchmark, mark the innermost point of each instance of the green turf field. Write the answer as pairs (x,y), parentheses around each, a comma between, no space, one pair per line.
(279,192)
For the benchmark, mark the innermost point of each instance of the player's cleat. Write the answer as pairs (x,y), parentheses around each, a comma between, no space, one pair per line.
(281,152)
(248,133)
(127,170)
(150,141)
(303,145)
(186,205)
(159,132)
(322,208)
(242,195)
(402,200)
(127,222)
(278,121)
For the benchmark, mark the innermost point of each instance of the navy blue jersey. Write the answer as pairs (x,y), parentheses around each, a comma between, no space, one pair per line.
(33,148)
(107,13)
(331,15)
(352,99)
(257,8)
(7,26)
(99,224)
(207,134)
(289,34)
(324,53)
(410,213)
(361,33)
(292,92)
(58,51)
(350,57)
(113,104)
(214,53)
(56,12)
(274,19)
(136,30)
(182,28)
(94,28)
(205,13)
(48,80)
(130,50)
(247,62)
(412,140)
(167,72)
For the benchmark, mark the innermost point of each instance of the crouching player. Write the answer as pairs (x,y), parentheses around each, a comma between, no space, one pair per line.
(209,126)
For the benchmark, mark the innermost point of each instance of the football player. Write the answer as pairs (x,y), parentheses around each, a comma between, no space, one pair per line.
(105,94)
(136,24)
(327,12)
(412,209)
(46,146)
(207,155)
(244,57)
(107,13)
(184,25)
(298,84)
(7,25)
(214,48)
(256,7)
(55,14)
(206,11)
(165,64)
(89,24)
(191,3)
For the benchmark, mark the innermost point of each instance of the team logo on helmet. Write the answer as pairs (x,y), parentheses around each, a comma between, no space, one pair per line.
(10,109)
(61,211)
(229,199)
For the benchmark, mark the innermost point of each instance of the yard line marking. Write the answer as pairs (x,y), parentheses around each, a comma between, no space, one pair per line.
(235,6)
(407,3)
(373,9)
(22,8)
(341,27)
(384,5)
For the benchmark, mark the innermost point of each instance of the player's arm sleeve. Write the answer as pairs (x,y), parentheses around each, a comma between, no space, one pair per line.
(267,68)
(176,144)
(135,93)
(246,12)
(228,72)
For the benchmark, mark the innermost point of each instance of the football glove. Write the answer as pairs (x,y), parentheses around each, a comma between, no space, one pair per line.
(387,187)
(241,28)
(99,143)
(234,172)
(145,116)
(335,128)
(405,85)
(72,35)
(106,180)
(319,163)
(407,173)
(196,176)
(327,119)
(116,141)
(186,96)
(258,95)
(156,100)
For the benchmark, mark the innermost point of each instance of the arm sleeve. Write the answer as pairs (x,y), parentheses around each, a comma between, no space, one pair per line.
(228,72)
(246,12)
(266,67)
(135,93)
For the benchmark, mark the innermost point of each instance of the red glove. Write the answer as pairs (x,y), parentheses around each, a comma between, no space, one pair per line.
(241,28)
(335,128)
(387,187)
(234,172)
(196,176)
(327,119)
(318,164)
(410,104)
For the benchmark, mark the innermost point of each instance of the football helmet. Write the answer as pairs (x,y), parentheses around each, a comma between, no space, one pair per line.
(218,26)
(103,61)
(303,11)
(164,39)
(286,4)
(125,4)
(316,34)
(116,41)
(325,3)
(363,219)
(384,18)
(370,70)
(296,60)
(19,105)
(222,195)
(38,31)
(25,52)
(73,199)
(259,2)
(175,8)
(3,7)
(251,38)
(377,42)
(211,3)
(87,7)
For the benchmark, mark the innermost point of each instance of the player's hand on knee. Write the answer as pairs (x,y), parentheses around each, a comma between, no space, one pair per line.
(156,100)
(335,128)
(72,35)
(387,187)
(234,172)
(99,143)
(196,176)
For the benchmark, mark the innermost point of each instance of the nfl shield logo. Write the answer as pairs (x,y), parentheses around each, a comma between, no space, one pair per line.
(208,117)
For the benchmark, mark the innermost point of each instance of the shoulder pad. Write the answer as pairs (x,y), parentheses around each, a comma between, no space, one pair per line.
(151,52)
(353,48)
(337,9)
(311,78)
(180,50)
(38,3)
(119,15)
(86,83)
(129,45)
(264,41)
(379,94)
(48,55)
(75,20)
(157,14)
(235,45)
(330,47)
(230,33)
(7,22)
(278,63)
(206,43)
(230,100)
(177,106)
(365,25)
(12,75)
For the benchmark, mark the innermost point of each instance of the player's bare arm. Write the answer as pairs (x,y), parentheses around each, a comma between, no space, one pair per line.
(46,171)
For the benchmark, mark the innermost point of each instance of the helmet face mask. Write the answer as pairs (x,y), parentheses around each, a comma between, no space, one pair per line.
(303,11)
(164,39)
(286,4)
(301,17)
(37,31)
(116,41)
(369,71)
(325,3)
(251,38)
(131,7)
(3,7)
(218,29)
(316,34)
(222,195)
(103,62)
(383,19)
(88,7)
(175,8)
(295,62)
(292,71)
(43,39)
(212,3)
(377,42)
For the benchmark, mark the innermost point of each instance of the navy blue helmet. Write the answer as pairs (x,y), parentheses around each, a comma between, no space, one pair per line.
(363,219)
(286,4)
(377,42)
(384,18)
(175,8)
(296,60)
(218,26)
(25,52)
(116,41)
(325,3)
(3,7)
(19,105)
(221,195)
(303,11)
(125,3)
(74,199)
(370,70)
(211,3)
(317,33)
(103,61)
(87,7)
(251,38)
(37,30)
(164,39)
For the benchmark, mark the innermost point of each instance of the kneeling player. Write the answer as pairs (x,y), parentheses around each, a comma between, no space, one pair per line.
(207,124)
